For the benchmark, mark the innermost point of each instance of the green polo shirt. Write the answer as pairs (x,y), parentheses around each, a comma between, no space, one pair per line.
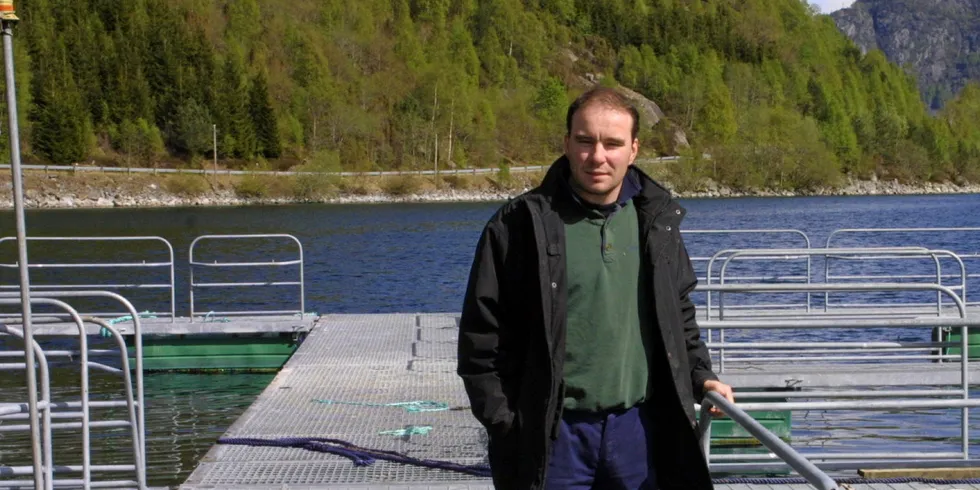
(605,359)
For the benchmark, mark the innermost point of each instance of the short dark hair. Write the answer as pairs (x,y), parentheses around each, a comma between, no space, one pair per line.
(606,97)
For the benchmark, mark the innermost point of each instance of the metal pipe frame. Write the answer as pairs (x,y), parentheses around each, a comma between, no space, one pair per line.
(852,254)
(962,321)
(939,276)
(932,231)
(300,262)
(707,278)
(73,483)
(137,343)
(833,456)
(130,404)
(869,405)
(710,260)
(61,353)
(749,395)
(869,310)
(83,359)
(98,265)
(832,345)
(86,424)
(801,465)
(730,255)
(849,465)
(843,287)
(767,254)
(922,357)
(44,404)
(801,322)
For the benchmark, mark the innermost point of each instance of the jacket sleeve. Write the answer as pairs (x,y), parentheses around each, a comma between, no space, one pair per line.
(482,353)
(698,357)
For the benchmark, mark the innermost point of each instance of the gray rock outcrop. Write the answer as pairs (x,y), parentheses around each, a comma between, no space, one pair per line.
(938,39)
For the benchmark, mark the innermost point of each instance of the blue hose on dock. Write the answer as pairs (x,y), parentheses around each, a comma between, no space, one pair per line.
(361,456)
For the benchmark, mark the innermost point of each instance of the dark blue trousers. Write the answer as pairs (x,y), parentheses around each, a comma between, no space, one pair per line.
(602,451)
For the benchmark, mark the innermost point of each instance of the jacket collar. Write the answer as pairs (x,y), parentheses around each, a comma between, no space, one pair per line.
(649,196)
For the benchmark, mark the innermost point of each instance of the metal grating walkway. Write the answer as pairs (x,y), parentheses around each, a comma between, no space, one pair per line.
(373,359)
(364,359)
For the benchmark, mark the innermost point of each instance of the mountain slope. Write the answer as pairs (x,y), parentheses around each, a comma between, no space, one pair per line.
(938,39)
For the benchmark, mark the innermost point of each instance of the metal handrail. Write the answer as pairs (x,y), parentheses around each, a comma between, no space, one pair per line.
(936,255)
(778,231)
(138,352)
(729,255)
(726,256)
(137,436)
(84,365)
(135,407)
(850,253)
(238,264)
(169,264)
(43,404)
(852,287)
(804,467)
(962,321)
(939,230)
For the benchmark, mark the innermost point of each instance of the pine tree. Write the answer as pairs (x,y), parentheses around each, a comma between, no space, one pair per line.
(264,118)
(236,133)
(61,132)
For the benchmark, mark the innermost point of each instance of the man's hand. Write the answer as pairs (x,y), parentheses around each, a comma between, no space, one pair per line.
(721,388)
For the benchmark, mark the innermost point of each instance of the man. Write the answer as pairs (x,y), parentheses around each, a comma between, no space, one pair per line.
(578,343)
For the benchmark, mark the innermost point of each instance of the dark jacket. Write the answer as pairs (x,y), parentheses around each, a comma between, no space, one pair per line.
(512,335)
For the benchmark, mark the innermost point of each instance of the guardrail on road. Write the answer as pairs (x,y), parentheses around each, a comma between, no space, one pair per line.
(453,171)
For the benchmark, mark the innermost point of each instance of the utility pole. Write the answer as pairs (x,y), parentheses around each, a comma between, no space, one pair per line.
(452,115)
(435,134)
(214,136)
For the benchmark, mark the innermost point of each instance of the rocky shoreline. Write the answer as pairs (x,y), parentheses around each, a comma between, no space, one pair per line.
(155,196)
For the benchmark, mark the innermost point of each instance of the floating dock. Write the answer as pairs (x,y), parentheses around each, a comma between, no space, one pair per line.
(335,386)
(349,380)
(242,343)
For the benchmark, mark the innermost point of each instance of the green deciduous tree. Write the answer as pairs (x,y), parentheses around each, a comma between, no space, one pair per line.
(192,128)
(140,141)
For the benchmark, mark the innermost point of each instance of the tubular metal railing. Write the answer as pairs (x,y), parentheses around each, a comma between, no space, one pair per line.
(758,238)
(215,264)
(727,257)
(138,283)
(961,241)
(43,404)
(804,467)
(958,240)
(957,394)
(137,348)
(133,402)
(853,254)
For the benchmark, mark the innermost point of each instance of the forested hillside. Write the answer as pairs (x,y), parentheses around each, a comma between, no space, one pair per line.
(771,90)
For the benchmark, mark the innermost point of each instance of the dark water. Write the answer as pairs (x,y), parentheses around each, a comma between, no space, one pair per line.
(415,258)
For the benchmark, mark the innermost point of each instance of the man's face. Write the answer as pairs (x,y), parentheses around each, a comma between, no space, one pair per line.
(600,148)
